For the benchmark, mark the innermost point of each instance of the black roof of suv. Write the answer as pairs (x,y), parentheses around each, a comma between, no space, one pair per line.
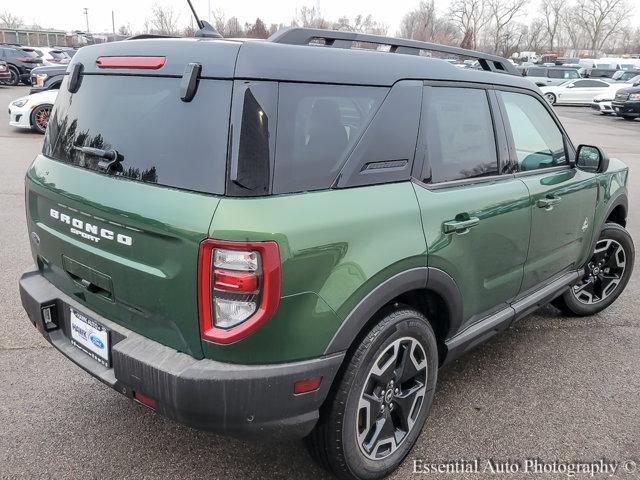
(280,58)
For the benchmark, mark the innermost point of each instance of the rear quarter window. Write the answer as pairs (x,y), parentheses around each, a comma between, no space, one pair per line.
(318,125)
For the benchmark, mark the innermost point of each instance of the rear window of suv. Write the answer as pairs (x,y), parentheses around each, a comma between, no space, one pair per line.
(161,139)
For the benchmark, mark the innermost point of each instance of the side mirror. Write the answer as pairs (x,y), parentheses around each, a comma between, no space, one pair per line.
(591,159)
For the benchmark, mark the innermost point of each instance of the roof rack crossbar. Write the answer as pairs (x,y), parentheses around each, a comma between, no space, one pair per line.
(338,39)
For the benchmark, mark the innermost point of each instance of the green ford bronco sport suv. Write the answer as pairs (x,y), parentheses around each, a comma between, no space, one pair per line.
(288,238)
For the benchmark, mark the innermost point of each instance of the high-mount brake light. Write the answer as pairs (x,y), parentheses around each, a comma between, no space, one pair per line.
(133,62)
(238,288)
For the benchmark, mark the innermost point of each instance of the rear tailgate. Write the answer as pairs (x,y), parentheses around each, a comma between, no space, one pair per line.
(124,241)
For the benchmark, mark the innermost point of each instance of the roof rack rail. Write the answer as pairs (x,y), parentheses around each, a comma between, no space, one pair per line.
(144,36)
(338,39)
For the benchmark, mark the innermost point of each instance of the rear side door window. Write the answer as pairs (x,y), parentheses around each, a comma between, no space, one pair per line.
(459,136)
(318,125)
(538,141)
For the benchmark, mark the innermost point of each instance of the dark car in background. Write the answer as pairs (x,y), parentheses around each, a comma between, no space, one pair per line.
(600,72)
(20,60)
(548,76)
(625,75)
(5,75)
(626,103)
(47,78)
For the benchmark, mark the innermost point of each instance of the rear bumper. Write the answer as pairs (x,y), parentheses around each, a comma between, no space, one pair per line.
(239,400)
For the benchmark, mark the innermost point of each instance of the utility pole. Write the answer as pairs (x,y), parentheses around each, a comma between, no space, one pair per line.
(113,22)
(86,14)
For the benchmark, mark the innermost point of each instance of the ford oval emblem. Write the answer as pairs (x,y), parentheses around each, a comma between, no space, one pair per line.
(96,341)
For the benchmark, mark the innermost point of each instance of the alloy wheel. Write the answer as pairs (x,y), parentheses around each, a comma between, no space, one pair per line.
(604,273)
(392,398)
(42,118)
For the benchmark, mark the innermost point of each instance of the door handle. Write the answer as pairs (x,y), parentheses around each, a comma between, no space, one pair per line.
(548,202)
(460,226)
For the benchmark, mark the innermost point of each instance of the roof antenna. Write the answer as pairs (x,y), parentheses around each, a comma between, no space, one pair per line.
(205,28)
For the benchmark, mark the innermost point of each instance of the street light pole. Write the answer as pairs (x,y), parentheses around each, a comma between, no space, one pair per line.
(86,14)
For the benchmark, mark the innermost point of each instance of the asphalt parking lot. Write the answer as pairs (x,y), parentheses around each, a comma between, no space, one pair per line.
(551,387)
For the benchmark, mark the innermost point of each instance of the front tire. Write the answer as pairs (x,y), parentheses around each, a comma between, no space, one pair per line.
(40,118)
(378,406)
(551,98)
(606,274)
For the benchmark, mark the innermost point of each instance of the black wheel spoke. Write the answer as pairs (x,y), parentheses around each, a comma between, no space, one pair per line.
(404,402)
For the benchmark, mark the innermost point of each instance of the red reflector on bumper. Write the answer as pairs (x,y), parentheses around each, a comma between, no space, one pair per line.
(306,386)
(143,63)
(144,400)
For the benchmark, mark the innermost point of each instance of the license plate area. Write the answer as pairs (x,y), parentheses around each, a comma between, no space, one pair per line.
(90,336)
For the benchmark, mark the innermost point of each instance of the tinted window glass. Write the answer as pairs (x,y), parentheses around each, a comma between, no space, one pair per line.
(160,138)
(460,139)
(537,138)
(537,72)
(589,84)
(317,127)
(566,74)
(253,122)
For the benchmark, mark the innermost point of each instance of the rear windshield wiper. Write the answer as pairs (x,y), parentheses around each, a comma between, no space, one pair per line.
(111,157)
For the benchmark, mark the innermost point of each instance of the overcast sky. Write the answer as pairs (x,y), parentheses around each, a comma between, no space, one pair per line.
(69,14)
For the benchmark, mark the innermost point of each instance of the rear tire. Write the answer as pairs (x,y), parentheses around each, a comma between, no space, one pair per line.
(627,117)
(387,386)
(607,274)
(15,77)
(551,98)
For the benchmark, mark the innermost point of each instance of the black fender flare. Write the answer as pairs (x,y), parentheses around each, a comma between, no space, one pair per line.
(428,278)
(617,201)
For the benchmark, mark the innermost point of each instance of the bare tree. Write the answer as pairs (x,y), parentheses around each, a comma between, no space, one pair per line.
(219,22)
(512,38)
(552,15)
(599,19)
(256,30)
(502,14)
(124,30)
(423,23)
(309,17)
(233,29)
(163,21)
(572,28)
(537,34)
(470,16)
(9,20)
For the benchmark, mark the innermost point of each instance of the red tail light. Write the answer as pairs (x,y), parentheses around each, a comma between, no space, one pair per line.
(142,63)
(238,288)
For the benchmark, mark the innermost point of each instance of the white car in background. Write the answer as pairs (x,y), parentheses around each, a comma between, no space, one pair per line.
(32,111)
(602,103)
(579,92)
(52,56)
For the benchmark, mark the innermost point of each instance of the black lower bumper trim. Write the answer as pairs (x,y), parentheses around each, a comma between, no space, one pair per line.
(239,400)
